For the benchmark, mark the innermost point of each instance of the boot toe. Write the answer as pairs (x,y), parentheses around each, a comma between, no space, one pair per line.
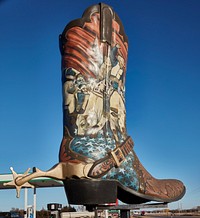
(166,190)
(175,189)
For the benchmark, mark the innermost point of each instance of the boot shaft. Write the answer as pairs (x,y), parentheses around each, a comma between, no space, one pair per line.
(94,55)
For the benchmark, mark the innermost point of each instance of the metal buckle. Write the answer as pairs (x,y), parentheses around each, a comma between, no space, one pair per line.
(118,156)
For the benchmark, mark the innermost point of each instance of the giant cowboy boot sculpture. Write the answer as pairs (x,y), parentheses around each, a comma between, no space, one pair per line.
(94,54)
(97,160)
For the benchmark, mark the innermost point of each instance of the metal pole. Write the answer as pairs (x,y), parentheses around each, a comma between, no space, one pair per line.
(106,213)
(34,202)
(25,201)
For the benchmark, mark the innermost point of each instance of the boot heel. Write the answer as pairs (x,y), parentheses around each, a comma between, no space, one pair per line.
(90,192)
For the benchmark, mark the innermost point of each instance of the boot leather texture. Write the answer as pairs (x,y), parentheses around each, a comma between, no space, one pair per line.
(94,53)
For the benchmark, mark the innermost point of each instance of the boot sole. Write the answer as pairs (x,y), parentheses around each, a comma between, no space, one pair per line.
(97,192)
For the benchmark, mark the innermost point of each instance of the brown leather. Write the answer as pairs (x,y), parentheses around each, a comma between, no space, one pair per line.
(160,188)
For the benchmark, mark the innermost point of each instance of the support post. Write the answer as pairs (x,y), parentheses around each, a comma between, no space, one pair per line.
(106,213)
(25,201)
(34,202)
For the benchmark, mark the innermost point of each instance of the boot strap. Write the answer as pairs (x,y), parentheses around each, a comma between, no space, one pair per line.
(114,159)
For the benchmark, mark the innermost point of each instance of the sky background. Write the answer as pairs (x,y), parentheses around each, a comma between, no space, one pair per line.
(162,89)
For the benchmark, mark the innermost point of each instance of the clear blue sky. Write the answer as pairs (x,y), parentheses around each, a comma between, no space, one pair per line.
(162,88)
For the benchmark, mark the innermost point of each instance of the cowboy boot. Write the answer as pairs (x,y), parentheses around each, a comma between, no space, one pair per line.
(102,163)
